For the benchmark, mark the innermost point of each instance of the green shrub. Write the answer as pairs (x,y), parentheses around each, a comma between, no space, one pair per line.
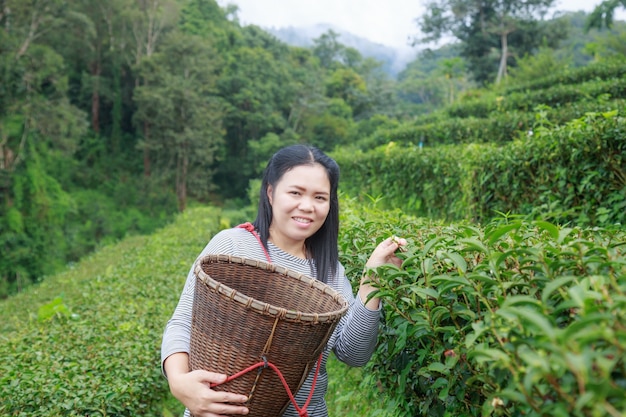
(604,70)
(86,342)
(554,96)
(513,318)
(498,128)
(570,173)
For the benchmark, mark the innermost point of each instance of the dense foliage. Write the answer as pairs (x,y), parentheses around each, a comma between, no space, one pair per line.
(114,116)
(513,318)
(574,172)
(86,342)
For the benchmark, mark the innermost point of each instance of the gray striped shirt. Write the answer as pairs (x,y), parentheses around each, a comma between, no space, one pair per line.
(353,341)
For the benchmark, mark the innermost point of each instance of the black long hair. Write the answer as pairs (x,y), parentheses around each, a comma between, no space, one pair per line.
(322,246)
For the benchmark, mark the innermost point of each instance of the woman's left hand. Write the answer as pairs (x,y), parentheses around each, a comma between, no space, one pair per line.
(385,253)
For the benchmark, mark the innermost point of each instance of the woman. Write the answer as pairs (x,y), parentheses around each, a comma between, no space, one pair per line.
(297,225)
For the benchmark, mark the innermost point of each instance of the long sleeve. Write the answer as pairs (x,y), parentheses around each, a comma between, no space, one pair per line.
(357,332)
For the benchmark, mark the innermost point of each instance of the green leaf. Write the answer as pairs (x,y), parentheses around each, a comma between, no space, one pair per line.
(425,293)
(431,243)
(587,329)
(438,367)
(563,233)
(548,227)
(536,320)
(479,329)
(52,309)
(497,233)
(457,260)
(482,355)
(553,286)
(521,300)
(445,283)
(475,244)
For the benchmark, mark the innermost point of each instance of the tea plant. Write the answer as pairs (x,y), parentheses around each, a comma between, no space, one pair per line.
(513,318)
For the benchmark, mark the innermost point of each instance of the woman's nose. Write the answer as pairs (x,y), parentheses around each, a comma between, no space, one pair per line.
(305,204)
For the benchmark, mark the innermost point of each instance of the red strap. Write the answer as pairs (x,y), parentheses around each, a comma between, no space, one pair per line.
(301,411)
(250,228)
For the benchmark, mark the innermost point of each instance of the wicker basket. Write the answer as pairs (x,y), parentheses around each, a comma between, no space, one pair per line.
(246,310)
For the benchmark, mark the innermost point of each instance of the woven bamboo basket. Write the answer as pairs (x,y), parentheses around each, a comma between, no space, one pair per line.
(246,311)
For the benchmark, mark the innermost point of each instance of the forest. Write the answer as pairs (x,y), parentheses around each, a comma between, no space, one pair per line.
(115,116)
(131,131)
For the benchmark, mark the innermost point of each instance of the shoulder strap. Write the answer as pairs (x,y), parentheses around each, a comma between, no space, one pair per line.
(250,228)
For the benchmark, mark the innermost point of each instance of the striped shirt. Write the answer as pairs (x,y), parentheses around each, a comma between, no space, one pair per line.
(353,340)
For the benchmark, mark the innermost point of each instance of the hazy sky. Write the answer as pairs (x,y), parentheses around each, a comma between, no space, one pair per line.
(390,22)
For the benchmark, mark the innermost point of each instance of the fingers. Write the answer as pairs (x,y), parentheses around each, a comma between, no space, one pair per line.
(224,410)
(210,377)
(194,390)
(229,397)
(400,242)
(219,404)
(385,252)
(213,379)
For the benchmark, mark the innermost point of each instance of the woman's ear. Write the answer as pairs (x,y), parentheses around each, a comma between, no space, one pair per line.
(270,190)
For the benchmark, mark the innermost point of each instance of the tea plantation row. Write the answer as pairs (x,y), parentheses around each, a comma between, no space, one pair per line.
(512,317)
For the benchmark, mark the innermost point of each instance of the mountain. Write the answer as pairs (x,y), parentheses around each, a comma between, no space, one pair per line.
(394,60)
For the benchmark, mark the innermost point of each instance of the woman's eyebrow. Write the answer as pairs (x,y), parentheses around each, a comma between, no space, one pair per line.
(301,188)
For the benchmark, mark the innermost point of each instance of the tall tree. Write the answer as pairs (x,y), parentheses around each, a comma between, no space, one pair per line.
(179,100)
(603,14)
(39,128)
(258,86)
(481,25)
(149,21)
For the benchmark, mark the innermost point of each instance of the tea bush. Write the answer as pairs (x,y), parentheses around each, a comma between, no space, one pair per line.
(574,172)
(554,96)
(499,128)
(87,341)
(505,319)
(603,70)
(512,318)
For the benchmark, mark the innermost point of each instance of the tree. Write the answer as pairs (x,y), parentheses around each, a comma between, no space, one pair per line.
(179,100)
(39,129)
(481,25)
(452,69)
(602,15)
(258,86)
(328,49)
(149,22)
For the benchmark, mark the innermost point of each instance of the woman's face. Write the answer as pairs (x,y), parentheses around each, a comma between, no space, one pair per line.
(300,203)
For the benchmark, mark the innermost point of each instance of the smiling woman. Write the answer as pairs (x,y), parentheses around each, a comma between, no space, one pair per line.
(297,227)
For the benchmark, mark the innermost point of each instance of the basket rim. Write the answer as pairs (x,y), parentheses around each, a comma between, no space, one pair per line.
(266,308)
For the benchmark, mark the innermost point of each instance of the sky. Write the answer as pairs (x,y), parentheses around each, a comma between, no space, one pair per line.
(389,22)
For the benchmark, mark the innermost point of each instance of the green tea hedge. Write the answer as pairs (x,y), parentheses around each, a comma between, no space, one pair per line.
(554,96)
(574,172)
(498,128)
(509,319)
(603,70)
(87,342)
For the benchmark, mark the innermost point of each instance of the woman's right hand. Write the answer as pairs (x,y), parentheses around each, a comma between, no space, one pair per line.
(193,389)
